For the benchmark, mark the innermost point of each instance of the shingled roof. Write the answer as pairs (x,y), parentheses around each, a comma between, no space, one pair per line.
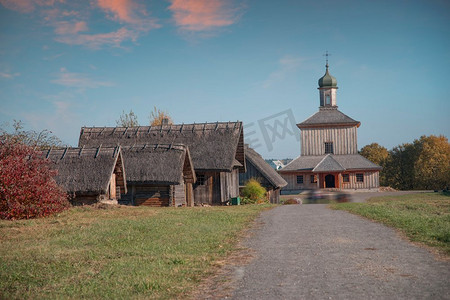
(213,146)
(264,168)
(330,163)
(85,170)
(159,164)
(328,116)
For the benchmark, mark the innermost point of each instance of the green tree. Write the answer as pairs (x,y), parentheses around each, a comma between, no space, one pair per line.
(157,117)
(399,167)
(128,119)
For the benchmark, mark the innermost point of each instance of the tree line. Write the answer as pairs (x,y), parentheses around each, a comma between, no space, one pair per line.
(423,164)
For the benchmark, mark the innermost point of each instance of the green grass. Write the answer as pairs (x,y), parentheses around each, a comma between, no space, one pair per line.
(126,252)
(424,218)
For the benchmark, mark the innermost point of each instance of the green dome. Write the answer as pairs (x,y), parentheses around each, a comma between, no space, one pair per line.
(327,80)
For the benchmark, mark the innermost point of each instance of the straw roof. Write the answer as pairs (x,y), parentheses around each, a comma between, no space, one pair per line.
(85,170)
(264,168)
(213,146)
(158,164)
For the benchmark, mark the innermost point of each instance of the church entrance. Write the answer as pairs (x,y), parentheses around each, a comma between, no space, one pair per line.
(329,181)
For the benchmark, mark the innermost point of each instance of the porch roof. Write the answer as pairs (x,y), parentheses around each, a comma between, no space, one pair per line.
(330,163)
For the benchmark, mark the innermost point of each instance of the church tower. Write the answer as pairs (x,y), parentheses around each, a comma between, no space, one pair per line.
(327,89)
(329,149)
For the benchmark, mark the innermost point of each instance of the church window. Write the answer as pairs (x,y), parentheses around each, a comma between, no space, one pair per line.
(313,179)
(359,177)
(328,100)
(345,177)
(329,147)
(299,178)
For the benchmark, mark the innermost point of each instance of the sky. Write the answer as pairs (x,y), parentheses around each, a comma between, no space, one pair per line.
(66,64)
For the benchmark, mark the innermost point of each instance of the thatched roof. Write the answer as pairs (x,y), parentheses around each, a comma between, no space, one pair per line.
(327,116)
(85,170)
(213,146)
(264,168)
(159,164)
(330,163)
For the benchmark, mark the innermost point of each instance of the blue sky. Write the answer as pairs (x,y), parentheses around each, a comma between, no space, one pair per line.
(66,64)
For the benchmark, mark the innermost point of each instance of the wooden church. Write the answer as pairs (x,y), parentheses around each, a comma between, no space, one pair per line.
(329,153)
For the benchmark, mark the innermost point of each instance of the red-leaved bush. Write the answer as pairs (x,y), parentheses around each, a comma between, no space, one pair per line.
(27,187)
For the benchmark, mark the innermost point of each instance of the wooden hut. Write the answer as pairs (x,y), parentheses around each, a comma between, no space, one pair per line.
(89,175)
(217,151)
(158,175)
(260,170)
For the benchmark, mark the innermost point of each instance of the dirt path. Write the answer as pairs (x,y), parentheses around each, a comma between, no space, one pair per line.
(312,252)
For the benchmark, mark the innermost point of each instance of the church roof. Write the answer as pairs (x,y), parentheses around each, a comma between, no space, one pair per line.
(327,80)
(328,116)
(330,163)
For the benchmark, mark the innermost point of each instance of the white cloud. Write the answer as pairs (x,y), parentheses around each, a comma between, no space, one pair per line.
(79,80)
(286,65)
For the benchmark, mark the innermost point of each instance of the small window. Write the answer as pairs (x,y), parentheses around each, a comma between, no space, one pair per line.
(328,100)
(201,179)
(299,178)
(329,148)
(345,177)
(313,179)
(359,177)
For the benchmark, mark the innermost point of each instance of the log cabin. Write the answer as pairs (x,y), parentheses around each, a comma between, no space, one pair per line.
(257,168)
(216,149)
(329,150)
(158,175)
(89,175)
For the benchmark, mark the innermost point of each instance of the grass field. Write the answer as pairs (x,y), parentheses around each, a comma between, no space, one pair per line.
(424,218)
(123,252)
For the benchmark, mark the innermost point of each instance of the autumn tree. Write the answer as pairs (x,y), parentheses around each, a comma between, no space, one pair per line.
(423,164)
(375,153)
(432,164)
(27,185)
(157,117)
(128,119)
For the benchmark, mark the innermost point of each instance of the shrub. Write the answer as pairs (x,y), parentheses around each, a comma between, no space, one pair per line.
(253,192)
(27,187)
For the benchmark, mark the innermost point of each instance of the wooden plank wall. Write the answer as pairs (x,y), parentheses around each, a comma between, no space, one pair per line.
(209,192)
(371,181)
(252,172)
(344,140)
(229,185)
(179,194)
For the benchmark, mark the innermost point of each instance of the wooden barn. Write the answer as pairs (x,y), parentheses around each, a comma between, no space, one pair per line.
(217,151)
(89,175)
(158,175)
(260,170)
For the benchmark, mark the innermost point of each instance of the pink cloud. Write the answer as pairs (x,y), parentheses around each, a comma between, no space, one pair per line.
(27,6)
(201,15)
(64,27)
(128,11)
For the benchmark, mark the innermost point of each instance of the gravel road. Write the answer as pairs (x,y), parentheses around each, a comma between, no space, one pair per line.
(312,252)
